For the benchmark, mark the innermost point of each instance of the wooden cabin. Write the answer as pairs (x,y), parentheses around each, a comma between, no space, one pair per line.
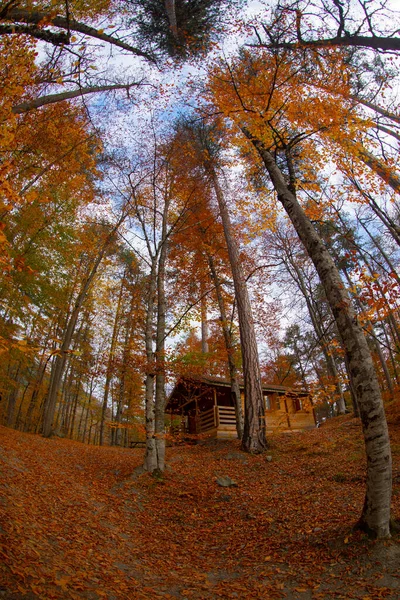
(204,405)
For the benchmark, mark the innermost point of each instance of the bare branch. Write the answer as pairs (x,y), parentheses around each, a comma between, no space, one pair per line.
(37,18)
(53,98)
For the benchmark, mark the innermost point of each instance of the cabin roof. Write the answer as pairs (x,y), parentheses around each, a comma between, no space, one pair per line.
(197,386)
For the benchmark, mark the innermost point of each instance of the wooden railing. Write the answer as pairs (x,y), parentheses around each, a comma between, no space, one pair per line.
(209,419)
(217,415)
(227,415)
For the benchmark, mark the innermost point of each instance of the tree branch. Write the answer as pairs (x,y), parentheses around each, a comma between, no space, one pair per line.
(57,39)
(38,18)
(53,98)
(375,43)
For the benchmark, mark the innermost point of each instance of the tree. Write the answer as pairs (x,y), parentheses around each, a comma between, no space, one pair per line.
(253,439)
(39,22)
(208,264)
(281,244)
(61,354)
(180,28)
(158,203)
(298,24)
(235,95)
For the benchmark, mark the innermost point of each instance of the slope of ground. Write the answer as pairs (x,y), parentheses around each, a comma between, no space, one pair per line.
(76,524)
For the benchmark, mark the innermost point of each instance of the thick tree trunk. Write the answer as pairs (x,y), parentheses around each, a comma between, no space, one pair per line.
(253,439)
(375,517)
(170,10)
(160,346)
(233,372)
(377,166)
(150,459)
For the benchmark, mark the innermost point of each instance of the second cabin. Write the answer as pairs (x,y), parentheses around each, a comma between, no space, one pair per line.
(204,405)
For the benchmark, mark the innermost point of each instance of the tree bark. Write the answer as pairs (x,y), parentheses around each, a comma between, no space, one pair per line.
(233,372)
(379,109)
(170,10)
(204,322)
(160,351)
(378,167)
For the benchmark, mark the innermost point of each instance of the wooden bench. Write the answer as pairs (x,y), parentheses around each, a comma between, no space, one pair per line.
(141,444)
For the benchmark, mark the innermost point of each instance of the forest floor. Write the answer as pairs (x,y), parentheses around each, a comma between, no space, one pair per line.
(77,524)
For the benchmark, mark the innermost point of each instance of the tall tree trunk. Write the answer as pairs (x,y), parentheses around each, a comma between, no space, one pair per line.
(74,408)
(110,364)
(88,407)
(150,460)
(204,322)
(375,517)
(381,169)
(386,219)
(35,392)
(18,419)
(160,344)
(253,439)
(122,384)
(233,372)
(171,14)
(84,410)
(379,246)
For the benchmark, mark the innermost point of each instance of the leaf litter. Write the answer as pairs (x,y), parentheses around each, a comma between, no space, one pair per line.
(77,524)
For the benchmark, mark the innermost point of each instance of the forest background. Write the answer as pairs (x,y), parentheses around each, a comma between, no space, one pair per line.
(151,154)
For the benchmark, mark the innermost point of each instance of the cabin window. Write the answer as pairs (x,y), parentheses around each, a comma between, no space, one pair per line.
(267,403)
